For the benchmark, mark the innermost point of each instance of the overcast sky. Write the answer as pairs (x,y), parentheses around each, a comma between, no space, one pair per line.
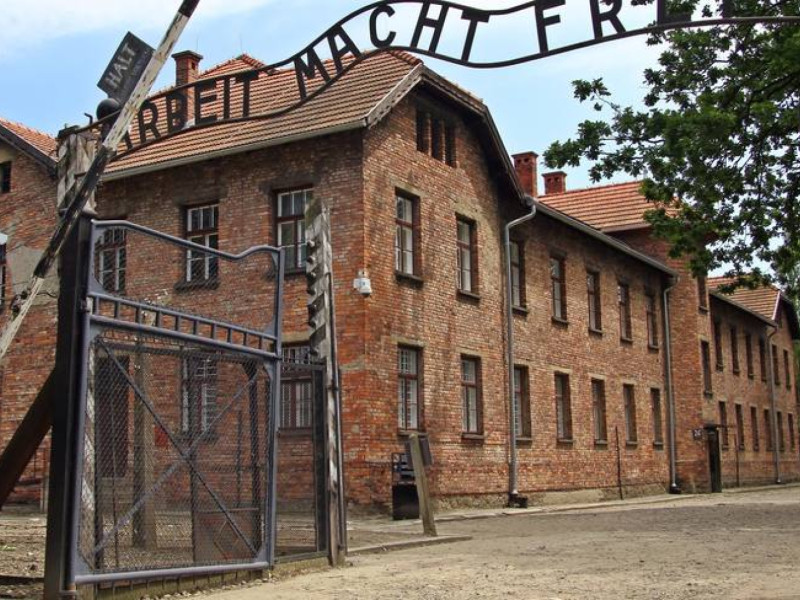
(53,52)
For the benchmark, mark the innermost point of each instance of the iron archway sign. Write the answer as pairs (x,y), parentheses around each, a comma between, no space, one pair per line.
(418,27)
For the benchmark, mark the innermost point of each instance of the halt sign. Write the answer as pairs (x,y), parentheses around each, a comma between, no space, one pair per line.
(125,68)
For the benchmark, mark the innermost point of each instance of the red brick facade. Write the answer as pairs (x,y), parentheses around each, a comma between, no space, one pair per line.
(27,217)
(594,393)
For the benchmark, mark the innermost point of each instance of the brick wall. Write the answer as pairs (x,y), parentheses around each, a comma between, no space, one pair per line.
(27,216)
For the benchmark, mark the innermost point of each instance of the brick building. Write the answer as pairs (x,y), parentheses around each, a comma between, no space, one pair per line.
(720,346)
(27,219)
(420,188)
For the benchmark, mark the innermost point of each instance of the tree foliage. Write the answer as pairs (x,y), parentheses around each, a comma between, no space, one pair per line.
(716,142)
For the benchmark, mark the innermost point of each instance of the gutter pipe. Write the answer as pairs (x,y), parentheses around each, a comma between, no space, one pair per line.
(513,492)
(673,484)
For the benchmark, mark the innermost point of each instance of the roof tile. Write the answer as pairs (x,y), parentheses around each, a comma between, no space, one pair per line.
(762,300)
(39,140)
(609,207)
(349,99)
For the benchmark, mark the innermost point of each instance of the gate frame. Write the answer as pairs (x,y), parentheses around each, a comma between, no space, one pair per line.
(77,327)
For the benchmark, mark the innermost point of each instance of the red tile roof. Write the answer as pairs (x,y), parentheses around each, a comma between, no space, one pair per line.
(39,140)
(763,300)
(608,207)
(347,101)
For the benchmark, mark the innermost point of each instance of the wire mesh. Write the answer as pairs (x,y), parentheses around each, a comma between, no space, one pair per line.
(175,444)
(179,418)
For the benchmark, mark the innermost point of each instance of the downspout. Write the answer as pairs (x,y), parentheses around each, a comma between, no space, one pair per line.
(673,484)
(774,416)
(513,492)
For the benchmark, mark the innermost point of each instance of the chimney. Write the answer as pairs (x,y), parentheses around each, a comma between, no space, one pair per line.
(187,65)
(555,182)
(525,166)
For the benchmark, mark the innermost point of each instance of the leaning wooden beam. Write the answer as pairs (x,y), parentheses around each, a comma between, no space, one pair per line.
(26,439)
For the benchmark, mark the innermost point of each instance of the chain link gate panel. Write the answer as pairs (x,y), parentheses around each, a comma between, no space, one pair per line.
(178,468)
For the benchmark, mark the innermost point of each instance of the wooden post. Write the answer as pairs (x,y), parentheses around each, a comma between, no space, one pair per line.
(322,344)
(421,477)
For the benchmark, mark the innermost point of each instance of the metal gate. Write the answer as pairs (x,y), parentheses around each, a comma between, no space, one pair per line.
(178,408)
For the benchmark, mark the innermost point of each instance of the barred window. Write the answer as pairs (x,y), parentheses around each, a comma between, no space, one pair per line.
(790,425)
(768,429)
(723,424)
(776,374)
(739,427)
(467,262)
(599,410)
(748,351)
(558,287)
(406,235)
(112,260)
(762,358)
(563,407)
(202,224)
(754,427)
(716,328)
(735,350)
(652,320)
(594,300)
(787,369)
(629,404)
(781,438)
(705,352)
(471,395)
(624,301)
(658,418)
(199,397)
(517,275)
(291,226)
(296,388)
(408,388)
(436,136)
(522,406)
(702,293)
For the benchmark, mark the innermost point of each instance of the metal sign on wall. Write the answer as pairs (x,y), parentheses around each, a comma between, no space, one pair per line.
(436,28)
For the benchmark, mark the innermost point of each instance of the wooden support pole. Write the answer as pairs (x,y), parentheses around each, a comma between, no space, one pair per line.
(423,493)
(26,439)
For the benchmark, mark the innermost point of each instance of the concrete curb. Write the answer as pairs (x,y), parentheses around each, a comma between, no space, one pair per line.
(406,544)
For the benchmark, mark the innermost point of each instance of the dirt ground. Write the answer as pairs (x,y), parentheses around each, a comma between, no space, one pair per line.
(737,545)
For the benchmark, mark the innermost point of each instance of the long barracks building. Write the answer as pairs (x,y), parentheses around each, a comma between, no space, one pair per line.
(608,398)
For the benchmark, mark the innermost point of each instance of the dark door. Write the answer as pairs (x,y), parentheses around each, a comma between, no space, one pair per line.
(714,461)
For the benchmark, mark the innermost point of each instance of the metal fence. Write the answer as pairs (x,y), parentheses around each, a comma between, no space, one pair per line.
(180,469)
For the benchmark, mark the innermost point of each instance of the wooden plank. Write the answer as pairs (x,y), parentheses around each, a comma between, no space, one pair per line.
(423,493)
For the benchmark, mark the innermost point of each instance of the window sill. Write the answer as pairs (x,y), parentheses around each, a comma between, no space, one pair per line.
(524,440)
(708,394)
(626,340)
(520,311)
(658,445)
(601,444)
(406,433)
(565,442)
(632,445)
(736,372)
(473,437)
(653,347)
(200,284)
(703,309)
(719,368)
(597,332)
(408,278)
(293,273)
(468,296)
(299,432)
(559,321)
(751,376)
